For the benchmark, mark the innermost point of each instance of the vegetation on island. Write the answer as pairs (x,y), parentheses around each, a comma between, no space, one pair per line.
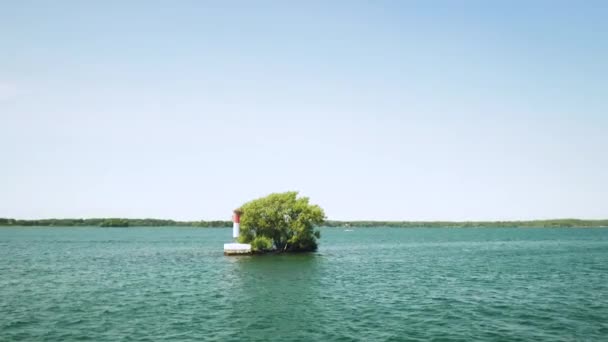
(124,222)
(281,222)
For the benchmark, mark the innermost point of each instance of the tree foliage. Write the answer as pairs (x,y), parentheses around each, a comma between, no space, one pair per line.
(284,220)
(262,244)
(115,222)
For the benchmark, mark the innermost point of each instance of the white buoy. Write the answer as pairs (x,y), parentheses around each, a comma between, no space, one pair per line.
(236,224)
(236,248)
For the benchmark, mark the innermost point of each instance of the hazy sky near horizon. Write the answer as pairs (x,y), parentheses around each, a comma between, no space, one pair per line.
(396,110)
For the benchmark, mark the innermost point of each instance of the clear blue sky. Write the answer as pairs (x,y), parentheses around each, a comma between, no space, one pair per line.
(396,110)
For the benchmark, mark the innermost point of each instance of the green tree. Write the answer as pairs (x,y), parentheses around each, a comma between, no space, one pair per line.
(281,222)
(115,222)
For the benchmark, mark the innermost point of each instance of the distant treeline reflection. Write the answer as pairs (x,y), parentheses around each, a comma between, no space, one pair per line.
(123,222)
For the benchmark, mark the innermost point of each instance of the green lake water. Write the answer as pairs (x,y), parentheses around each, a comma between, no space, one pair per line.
(378,284)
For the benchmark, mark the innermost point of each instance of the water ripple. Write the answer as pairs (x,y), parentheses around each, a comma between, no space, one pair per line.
(370,284)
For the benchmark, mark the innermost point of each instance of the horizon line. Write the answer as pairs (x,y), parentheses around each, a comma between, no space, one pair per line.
(329,219)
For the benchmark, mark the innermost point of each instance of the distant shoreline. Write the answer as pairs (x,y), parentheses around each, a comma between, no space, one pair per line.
(122,222)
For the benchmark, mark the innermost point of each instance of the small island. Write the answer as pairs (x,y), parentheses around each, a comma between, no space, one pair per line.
(278,223)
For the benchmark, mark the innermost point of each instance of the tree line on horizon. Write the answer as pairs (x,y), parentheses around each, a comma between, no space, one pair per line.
(557,223)
(149,222)
(113,222)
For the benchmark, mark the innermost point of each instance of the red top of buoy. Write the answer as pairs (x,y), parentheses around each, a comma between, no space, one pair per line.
(236,217)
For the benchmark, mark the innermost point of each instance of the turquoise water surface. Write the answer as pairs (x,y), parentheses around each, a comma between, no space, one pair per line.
(375,284)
